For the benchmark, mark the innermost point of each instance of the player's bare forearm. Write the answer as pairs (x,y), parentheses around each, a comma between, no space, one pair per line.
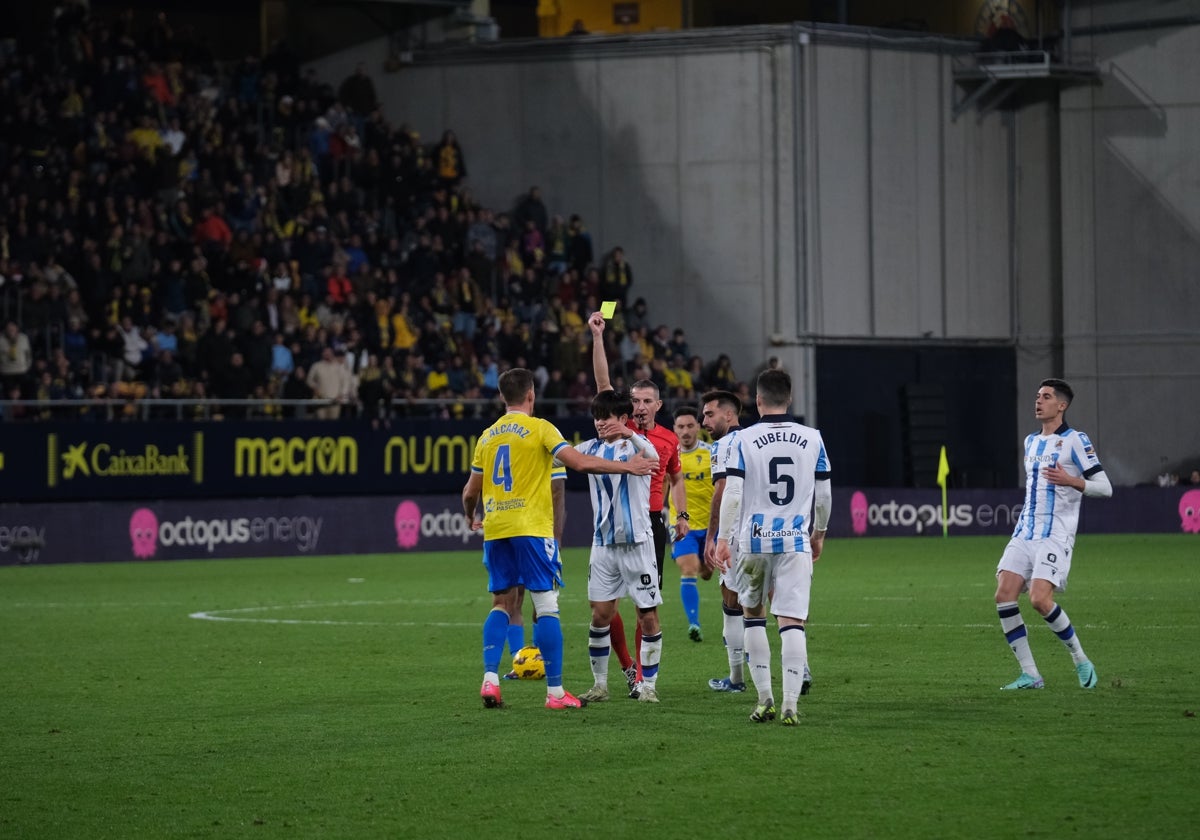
(817,543)
(721,555)
(470,499)
(576,460)
(714,521)
(599,357)
(678,491)
(558,497)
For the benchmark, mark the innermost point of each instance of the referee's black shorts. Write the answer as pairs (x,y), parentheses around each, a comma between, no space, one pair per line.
(659,528)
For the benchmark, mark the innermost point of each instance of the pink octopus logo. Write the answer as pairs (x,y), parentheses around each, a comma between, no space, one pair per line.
(143,533)
(1189,512)
(408,524)
(858,512)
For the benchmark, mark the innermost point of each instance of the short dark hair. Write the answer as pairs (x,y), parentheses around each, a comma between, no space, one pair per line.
(1061,389)
(686,411)
(775,387)
(610,403)
(515,383)
(724,399)
(645,383)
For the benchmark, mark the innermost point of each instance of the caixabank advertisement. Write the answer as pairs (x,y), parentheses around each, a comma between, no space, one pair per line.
(174,460)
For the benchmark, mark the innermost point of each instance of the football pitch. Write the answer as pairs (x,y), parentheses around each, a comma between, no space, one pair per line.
(338,697)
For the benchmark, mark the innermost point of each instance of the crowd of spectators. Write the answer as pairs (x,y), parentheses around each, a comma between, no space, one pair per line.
(174,228)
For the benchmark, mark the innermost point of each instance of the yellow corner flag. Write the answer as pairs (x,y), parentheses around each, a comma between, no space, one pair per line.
(943,473)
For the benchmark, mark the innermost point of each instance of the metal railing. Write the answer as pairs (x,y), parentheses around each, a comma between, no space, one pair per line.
(150,408)
(146,409)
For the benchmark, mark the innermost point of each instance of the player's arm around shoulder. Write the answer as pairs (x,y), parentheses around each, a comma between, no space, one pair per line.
(576,460)
(645,449)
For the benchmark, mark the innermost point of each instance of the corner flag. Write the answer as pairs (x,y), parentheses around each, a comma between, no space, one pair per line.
(943,473)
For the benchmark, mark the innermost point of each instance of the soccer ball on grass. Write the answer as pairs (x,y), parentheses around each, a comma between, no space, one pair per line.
(528,664)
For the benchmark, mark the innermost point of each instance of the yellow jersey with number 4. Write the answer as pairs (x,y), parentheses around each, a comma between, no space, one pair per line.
(515,458)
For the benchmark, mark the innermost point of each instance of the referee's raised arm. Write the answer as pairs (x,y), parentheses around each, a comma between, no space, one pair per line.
(599,357)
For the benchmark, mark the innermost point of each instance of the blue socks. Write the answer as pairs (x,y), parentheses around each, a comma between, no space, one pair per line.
(550,641)
(689,593)
(516,638)
(495,633)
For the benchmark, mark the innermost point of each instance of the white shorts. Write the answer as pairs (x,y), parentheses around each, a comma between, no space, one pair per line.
(788,574)
(1044,559)
(626,569)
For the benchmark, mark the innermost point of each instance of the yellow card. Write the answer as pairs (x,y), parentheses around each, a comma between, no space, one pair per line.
(608,309)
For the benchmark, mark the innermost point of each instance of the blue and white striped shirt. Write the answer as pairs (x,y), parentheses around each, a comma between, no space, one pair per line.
(1052,511)
(620,503)
(779,462)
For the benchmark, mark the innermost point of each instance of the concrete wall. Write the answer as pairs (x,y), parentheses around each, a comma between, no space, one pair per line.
(1131,240)
(912,217)
(681,156)
(762,187)
(773,188)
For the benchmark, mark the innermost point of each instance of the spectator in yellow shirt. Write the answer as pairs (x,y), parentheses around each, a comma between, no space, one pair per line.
(679,380)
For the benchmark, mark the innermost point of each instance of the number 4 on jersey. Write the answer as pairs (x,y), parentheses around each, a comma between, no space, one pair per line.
(502,468)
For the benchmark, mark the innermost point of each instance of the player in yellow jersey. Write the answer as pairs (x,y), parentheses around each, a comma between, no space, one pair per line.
(510,474)
(695,460)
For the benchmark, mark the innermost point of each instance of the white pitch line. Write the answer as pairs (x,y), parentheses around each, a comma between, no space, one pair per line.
(818,625)
(225,615)
(206,616)
(104,604)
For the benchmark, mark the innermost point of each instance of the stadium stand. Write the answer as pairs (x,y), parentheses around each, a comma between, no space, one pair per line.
(185,238)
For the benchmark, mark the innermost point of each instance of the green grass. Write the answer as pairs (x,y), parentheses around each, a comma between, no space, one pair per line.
(355,714)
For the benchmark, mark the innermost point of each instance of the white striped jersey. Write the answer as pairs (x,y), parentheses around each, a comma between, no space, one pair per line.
(779,462)
(720,454)
(1052,511)
(620,503)
(720,451)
